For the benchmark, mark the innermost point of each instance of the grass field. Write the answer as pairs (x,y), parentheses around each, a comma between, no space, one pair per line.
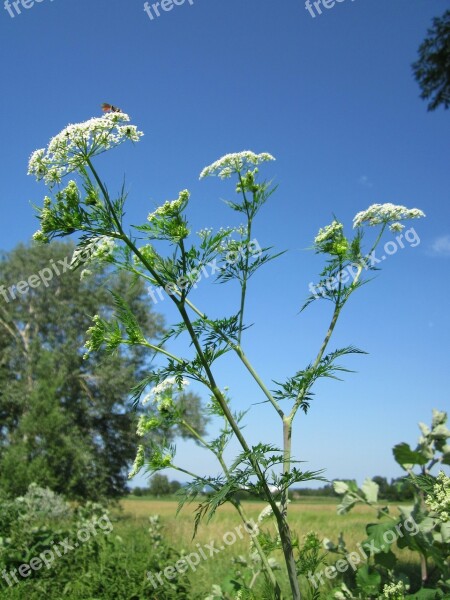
(307,515)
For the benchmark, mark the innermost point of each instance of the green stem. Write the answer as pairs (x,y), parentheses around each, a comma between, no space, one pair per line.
(160,350)
(244,281)
(283,527)
(258,380)
(236,503)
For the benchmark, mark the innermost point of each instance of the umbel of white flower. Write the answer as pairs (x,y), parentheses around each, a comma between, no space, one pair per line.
(75,145)
(235,163)
(382,214)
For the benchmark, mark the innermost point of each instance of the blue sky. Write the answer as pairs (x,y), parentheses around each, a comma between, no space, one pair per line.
(334,100)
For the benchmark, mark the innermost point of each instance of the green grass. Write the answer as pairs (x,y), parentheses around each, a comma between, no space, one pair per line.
(308,514)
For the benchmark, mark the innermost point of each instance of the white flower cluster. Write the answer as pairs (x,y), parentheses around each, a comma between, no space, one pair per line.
(145,424)
(234,163)
(205,232)
(171,207)
(330,232)
(439,502)
(380,214)
(99,248)
(394,591)
(104,248)
(138,462)
(162,388)
(77,143)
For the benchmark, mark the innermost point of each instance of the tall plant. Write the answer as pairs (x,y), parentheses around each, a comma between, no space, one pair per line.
(163,252)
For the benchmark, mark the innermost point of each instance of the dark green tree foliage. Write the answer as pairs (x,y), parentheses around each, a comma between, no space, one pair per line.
(65,422)
(432,69)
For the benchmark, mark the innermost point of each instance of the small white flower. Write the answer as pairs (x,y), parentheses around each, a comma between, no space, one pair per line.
(396,227)
(170,208)
(439,501)
(76,144)
(165,386)
(380,214)
(265,513)
(138,462)
(329,232)
(104,248)
(394,591)
(234,163)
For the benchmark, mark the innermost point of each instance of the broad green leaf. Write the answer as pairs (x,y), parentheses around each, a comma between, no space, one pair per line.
(427,525)
(340,487)
(379,540)
(406,457)
(368,582)
(347,503)
(370,490)
(445,532)
(386,559)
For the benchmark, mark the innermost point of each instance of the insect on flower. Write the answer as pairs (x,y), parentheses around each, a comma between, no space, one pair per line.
(109,107)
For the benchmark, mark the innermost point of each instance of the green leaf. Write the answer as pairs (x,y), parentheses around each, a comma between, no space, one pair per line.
(347,503)
(406,457)
(340,487)
(386,559)
(376,533)
(424,482)
(426,594)
(368,582)
(445,532)
(370,490)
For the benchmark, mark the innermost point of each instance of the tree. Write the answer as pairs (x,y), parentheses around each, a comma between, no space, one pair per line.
(432,69)
(383,486)
(174,486)
(159,485)
(65,422)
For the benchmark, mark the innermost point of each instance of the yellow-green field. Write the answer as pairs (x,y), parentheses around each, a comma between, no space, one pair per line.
(307,515)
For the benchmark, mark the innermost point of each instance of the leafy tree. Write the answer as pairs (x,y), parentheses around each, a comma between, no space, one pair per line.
(174,486)
(65,422)
(383,486)
(160,485)
(432,69)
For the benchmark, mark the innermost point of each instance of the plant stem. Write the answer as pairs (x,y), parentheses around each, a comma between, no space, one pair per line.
(283,527)
(236,503)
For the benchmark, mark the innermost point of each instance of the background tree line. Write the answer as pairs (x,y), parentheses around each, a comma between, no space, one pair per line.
(398,490)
